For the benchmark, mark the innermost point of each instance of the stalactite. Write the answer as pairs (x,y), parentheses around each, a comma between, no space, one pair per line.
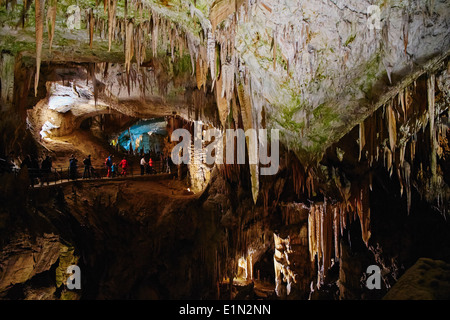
(222,104)
(311,234)
(39,29)
(155,34)
(407,176)
(274,55)
(112,5)
(25,8)
(298,177)
(363,210)
(318,216)
(201,71)
(362,139)
(91,21)
(310,182)
(323,236)
(211,55)
(91,76)
(336,228)
(392,126)
(129,46)
(431,116)
(326,236)
(405,31)
(51,22)
(401,102)
(125,18)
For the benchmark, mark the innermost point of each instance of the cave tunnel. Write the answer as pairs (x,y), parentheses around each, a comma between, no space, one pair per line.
(220,150)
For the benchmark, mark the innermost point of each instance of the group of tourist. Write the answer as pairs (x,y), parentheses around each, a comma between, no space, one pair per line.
(89,171)
(147,166)
(40,171)
(113,168)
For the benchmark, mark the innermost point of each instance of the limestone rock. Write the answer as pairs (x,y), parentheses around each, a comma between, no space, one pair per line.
(23,258)
(427,279)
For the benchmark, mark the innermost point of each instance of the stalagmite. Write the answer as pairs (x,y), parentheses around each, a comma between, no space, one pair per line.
(283,272)
(39,28)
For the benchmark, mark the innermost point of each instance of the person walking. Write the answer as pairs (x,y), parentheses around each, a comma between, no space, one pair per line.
(124,165)
(108,164)
(87,167)
(150,164)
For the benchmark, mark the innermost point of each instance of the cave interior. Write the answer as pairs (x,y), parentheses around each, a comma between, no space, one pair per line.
(354,116)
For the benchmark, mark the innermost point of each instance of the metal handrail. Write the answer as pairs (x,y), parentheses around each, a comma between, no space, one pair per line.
(60,174)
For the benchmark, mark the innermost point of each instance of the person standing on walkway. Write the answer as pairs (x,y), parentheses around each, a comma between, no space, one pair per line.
(124,165)
(73,165)
(87,167)
(46,168)
(108,164)
(143,164)
(114,170)
(167,165)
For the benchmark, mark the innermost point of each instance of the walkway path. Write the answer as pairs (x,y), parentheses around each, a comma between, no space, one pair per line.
(149,177)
